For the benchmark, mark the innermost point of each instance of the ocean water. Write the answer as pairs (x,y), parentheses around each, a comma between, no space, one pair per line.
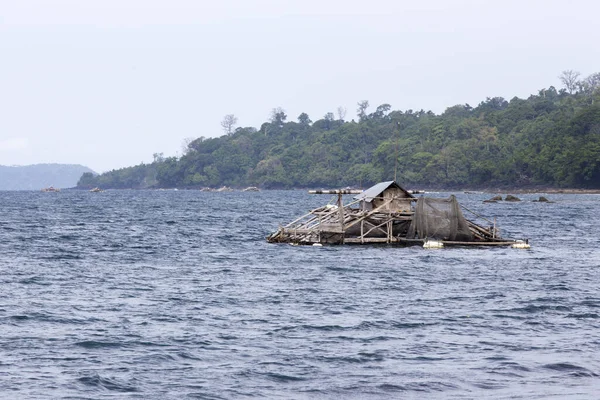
(177,295)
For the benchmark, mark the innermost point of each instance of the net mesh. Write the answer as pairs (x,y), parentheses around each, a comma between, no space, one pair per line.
(439,219)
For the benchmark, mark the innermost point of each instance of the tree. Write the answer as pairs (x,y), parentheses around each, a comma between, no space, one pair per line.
(87,180)
(329,118)
(488,107)
(304,119)
(341,112)
(185,145)
(228,123)
(592,83)
(381,111)
(569,79)
(361,111)
(278,116)
(549,138)
(196,144)
(158,157)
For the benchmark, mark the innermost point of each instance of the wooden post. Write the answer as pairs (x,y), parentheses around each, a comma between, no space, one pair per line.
(362,231)
(341,215)
(320,227)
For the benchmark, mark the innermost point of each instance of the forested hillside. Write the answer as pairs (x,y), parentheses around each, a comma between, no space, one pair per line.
(551,138)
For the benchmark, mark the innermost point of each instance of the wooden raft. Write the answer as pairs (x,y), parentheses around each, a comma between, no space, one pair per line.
(350,224)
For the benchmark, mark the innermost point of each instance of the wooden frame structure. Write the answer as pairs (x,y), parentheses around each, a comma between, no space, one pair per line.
(385,220)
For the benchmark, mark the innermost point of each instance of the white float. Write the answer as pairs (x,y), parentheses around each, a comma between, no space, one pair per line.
(521,244)
(433,244)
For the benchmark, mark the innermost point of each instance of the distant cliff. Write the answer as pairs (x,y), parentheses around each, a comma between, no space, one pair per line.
(38,176)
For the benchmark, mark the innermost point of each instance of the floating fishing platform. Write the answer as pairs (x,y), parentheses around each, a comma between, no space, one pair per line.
(387,213)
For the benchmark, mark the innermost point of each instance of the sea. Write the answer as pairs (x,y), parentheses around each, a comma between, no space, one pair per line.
(177,295)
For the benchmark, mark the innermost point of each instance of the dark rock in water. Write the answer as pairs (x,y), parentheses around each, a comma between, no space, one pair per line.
(542,199)
(493,199)
(510,197)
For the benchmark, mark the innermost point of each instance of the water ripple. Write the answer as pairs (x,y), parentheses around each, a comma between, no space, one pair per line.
(169,295)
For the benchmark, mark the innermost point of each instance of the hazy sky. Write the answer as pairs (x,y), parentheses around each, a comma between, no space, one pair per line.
(107,83)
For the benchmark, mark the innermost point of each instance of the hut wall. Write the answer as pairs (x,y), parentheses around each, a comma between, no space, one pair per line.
(366,206)
(401,201)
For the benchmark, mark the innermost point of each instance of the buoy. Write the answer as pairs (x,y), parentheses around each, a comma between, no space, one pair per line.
(317,245)
(521,244)
(433,244)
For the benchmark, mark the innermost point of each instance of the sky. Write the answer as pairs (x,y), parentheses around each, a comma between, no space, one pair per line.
(109,83)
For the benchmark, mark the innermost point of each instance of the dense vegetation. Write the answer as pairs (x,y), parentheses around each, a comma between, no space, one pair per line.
(551,138)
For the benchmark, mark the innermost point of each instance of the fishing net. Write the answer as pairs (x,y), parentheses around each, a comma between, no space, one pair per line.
(439,219)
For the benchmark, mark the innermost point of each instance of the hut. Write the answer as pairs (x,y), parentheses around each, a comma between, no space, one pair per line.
(388,213)
(388,196)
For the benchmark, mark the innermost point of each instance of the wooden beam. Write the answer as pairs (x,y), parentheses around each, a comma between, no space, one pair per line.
(368,214)
(378,227)
(336,191)
(368,240)
(455,243)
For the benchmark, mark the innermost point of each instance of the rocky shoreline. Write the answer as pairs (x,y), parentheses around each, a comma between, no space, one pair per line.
(514,190)
(549,191)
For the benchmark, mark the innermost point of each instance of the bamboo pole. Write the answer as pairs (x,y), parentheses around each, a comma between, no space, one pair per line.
(328,213)
(368,240)
(300,218)
(474,213)
(341,215)
(457,243)
(336,191)
(378,227)
(368,214)
(362,230)
(478,228)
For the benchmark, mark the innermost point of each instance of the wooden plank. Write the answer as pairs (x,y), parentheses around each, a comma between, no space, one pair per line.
(478,228)
(300,231)
(455,243)
(336,191)
(378,227)
(355,240)
(367,215)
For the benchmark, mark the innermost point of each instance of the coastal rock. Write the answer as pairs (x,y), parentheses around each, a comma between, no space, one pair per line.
(510,197)
(494,199)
